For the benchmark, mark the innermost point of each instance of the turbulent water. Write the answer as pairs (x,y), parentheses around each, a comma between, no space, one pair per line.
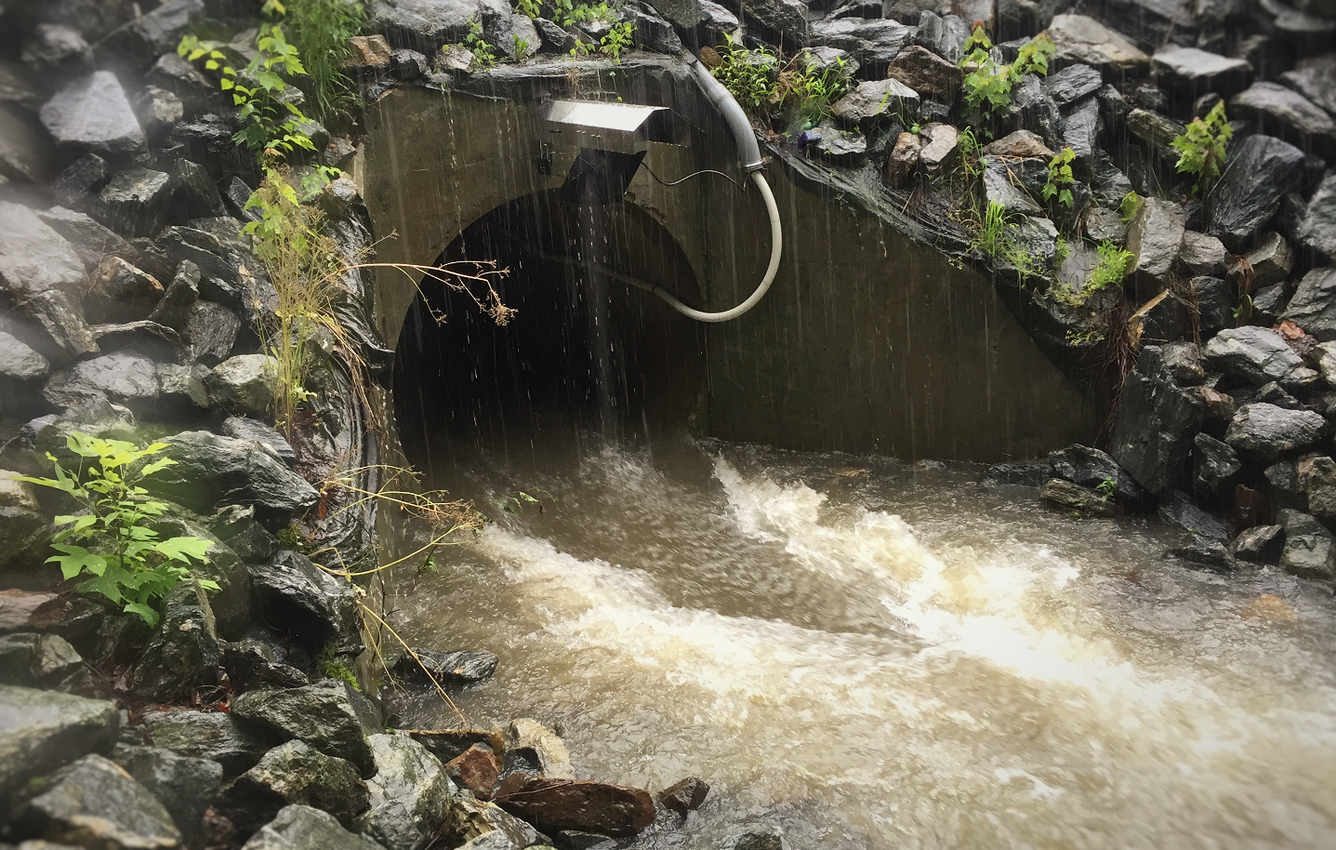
(868,654)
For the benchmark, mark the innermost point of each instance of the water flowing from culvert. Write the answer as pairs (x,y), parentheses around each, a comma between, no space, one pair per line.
(866,654)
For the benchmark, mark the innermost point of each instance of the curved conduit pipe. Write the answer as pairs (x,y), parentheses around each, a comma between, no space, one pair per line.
(749,157)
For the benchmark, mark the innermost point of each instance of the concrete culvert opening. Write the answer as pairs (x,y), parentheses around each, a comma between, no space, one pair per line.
(581,350)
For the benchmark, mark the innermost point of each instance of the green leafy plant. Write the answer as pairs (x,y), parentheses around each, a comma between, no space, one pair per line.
(332,667)
(1061,251)
(617,39)
(810,91)
(483,52)
(529,8)
(1059,176)
(320,30)
(749,75)
(110,542)
(1203,146)
(969,147)
(1127,208)
(1033,56)
(583,48)
(991,236)
(521,46)
(989,83)
(569,14)
(1110,270)
(1243,309)
(1107,489)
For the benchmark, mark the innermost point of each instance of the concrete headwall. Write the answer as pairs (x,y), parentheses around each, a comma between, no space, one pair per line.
(867,341)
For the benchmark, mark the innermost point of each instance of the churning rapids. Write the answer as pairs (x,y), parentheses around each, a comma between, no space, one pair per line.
(870,654)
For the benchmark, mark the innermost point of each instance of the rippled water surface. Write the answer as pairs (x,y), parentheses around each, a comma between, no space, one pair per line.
(868,654)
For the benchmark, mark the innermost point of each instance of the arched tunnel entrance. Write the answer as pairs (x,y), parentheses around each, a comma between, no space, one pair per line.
(581,352)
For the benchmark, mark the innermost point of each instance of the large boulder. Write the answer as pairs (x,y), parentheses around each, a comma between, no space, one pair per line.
(35,258)
(1258,171)
(1080,39)
(873,103)
(305,828)
(90,239)
(1073,84)
(456,666)
(1215,468)
(553,805)
(1288,114)
(1314,77)
(94,803)
(1192,72)
(1268,431)
(1156,421)
(425,25)
(873,43)
(41,731)
(1257,356)
(491,827)
(120,292)
(93,113)
(211,471)
(1317,230)
(409,794)
(1313,306)
(295,596)
(20,363)
(134,202)
(245,385)
(1090,467)
(211,735)
(927,73)
(329,715)
(184,785)
(294,773)
(786,19)
(184,652)
(123,378)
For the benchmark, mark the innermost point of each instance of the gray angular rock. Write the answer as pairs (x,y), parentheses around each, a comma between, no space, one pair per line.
(250,664)
(1317,230)
(1313,306)
(328,715)
(1192,72)
(120,292)
(652,32)
(1153,128)
(1019,144)
(181,391)
(1268,431)
(18,362)
(134,202)
(1073,83)
(184,785)
(1259,170)
(1314,77)
(1215,468)
(1084,501)
(1104,224)
(873,43)
(1261,544)
(1270,261)
(79,183)
(1080,129)
(1179,510)
(410,793)
(184,652)
(873,103)
(940,143)
(461,665)
(1287,114)
(296,596)
(845,147)
(211,471)
(95,803)
(1200,254)
(172,73)
(559,804)
(244,384)
(540,746)
(1155,424)
(242,428)
(1154,238)
(1256,356)
(685,795)
(425,25)
(124,378)
(159,111)
(34,258)
(294,773)
(1320,485)
(209,735)
(1081,39)
(211,331)
(1308,549)
(94,114)
(305,828)
(91,241)
(1036,111)
(1090,467)
(63,323)
(926,73)
(41,731)
(1002,185)
(57,50)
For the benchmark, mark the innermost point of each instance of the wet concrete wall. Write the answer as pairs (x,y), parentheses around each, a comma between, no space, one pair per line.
(866,342)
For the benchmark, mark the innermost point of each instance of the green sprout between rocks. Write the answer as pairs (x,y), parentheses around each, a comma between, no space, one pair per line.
(1203,146)
(990,82)
(1060,176)
(1128,207)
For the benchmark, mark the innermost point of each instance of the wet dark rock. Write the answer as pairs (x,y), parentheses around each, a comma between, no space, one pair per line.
(939,147)
(1256,356)
(49,661)
(1192,72)
(211,330)
(1271,261)
(543,747)
(1020,144)
(1204,552)
(1090,467)
(1269,302)
(81,180)
(184,785)
(93,114)
(1081,500)
(460,666)
(1002,185)
(651,31)
(553,37)
(250,540)
(294,773)
(25,610)
(685,796)
(1036,111)
(475,769)
(250,665)
(1268,431)
(873,103)
(120,292)
(296,596)
(1308,551)
(124,378)
(91,241)
(1317,229)
(408,65)
(557,804)
(18,362)
(1259,170)
(1073,83)
(94,803)
(1215,304)
(1287,483)
(468,820)
(844,147)
(134,202)
(1180,511)
(1200,254)
(1274,393)
(1156,421)
(1261,544)
(448,744)
(305,828)
(754,838)
(209,735)
(43,730)
(1313,306)
(1320,487)
(926,73)
(425,25)
(211,471)
(159,110)
(207,139)
(56,50)
(1154,238)
(1215,468)
(329,715)
(1153,128)
(194,194)
(181,391)
(1287,114)
(873,43)
(245,384)
(1315,78)
(221,265)
(1080,39)
(184,652)
(34,258)
(786,19)
(243,428)
(1080,130)
(409,794)
(173,74)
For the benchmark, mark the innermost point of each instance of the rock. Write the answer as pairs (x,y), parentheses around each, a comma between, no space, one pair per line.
(1317,230)
(903,161)
(1314,77)
(1204,552)
(94,114)
(211,471)
(18,362)
(134,202)
(294,774)
(1261,544)
(34,258)
(447,744)
(1288,114)
(1021,143)
(241,428)
(296,596)
(685,796)
(120,292)
(81,181)
(425,25)
(1269,302)
(557,804)
(194,194)
(181,391)
(475,769)
(1090,467)
(1153,128)
(1154,238)
(1256,356)
(124,378)
(1073,497)
(873,43)
(229,275)
(196,93)
(210,735)
(1200,254)
(1320,484)
(1268,431)
(63,324)
(1002,185)
(873,103)
(409,794)
(1084,40)
(57,50)
(369,51)
(91,241)
(184,652)
(846,147)
(185,786)
(244,384)
(1308,546)
(328,715)
(1273,393)
(1313,306)
(305,828)
(94,803)
(250,665)
(819,60)
(1193,72)
(1215,468)
(1072,84)
(1270,261)
(553,37)
(159,110)
(787,19)
(41,660)
(940,142)
(459,666)
(26,610)
(1155,423)
(1259,170)
(408,65)
(754,838)
(488,825)
(926,73)
(1036,111)
(541,746)
(212,330)
(1080,130)
(1180,511)
(41,731)
(651,32)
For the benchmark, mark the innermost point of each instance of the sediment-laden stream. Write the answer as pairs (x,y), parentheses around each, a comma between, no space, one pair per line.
(869,654)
